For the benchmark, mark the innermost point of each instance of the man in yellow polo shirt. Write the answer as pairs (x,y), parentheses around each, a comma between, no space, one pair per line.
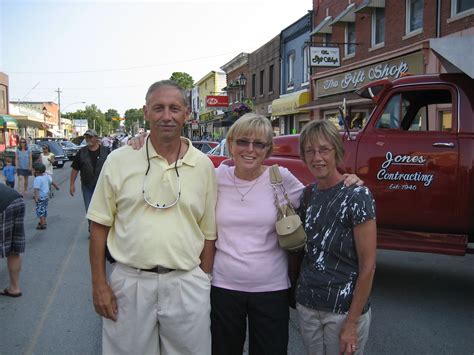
(154,210)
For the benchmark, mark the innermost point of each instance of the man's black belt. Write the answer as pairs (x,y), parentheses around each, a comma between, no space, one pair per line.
(158,270)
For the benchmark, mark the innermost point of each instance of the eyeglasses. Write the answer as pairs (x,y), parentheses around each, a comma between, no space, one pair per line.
(23,142)
(324,151)
(257,145)
(159,205)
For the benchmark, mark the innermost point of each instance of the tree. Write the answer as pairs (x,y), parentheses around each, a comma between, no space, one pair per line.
(111,124)
(134,119)
(183,79)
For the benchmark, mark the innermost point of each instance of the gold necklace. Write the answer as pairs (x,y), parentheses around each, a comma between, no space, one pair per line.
(242,195)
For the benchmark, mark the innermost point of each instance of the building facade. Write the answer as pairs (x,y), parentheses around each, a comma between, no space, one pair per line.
(384,39)
(263,81)
(294,78)
(209,85)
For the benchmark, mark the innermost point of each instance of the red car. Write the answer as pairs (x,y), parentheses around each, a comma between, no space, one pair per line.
(219,154)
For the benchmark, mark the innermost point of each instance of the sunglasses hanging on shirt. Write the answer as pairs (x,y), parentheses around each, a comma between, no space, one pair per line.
(161,206)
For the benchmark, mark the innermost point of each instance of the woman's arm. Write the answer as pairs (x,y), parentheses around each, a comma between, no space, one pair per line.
(365,237)
(30,160)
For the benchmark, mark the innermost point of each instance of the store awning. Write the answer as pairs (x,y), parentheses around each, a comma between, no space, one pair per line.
(25,121)
(368,5)
(290,104)
(452,53)
(9,122)
(56,134)
(334,101)
(348,15)
(323,27)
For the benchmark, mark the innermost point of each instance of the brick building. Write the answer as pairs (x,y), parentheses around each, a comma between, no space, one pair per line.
(385,38)
(264,78)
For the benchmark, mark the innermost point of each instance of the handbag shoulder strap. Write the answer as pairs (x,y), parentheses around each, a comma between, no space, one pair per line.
(276,180)
(275,176)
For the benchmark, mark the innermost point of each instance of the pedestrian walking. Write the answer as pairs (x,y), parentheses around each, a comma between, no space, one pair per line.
(41,186)
(161,230)
(336,277)
(23,163)
(12,236)
(88,161)
(47,158)
(9,173)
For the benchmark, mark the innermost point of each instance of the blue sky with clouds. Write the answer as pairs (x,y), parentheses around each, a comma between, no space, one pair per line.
(108,52)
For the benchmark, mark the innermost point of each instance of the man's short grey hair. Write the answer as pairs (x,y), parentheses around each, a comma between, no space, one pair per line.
(168,83)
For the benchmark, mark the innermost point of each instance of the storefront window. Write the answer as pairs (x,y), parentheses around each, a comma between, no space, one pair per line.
(356,121)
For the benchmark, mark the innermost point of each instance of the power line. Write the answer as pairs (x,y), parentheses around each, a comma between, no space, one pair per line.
(121,69)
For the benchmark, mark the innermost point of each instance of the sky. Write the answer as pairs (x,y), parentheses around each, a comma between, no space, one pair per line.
(108,52)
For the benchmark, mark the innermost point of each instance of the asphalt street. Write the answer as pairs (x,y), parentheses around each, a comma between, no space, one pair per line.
(421,303)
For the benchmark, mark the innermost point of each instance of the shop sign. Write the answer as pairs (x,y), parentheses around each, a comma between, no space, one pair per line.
(324,57)
(217,101)
(350,81)
(194,124)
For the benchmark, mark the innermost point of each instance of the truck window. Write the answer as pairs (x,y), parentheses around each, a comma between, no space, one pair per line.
(418,111)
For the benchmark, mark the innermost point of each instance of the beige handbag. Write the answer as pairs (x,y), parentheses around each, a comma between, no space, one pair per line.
(291,234)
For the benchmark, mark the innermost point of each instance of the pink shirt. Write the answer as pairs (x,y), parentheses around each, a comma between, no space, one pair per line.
(248,257)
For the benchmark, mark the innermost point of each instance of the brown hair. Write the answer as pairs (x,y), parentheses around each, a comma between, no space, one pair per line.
(316,129)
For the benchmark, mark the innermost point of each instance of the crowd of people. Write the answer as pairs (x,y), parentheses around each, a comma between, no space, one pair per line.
(194,250)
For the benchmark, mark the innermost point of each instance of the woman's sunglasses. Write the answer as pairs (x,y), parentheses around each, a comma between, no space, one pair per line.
(244,143)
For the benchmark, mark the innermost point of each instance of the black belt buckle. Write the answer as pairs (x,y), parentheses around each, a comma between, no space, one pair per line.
(158,270)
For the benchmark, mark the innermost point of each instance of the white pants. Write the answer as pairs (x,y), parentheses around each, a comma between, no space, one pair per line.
(320,330)
(159,313)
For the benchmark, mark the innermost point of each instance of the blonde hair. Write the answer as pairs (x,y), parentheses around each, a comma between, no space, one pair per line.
(252,124)
(317,129)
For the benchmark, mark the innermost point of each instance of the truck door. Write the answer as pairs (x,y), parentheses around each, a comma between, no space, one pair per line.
(409,154)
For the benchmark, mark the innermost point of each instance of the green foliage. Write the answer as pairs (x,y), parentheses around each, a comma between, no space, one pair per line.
(111,125)
(134,119)
(183,79)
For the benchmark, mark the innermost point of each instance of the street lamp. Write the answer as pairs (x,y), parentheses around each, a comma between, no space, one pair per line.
(242,80)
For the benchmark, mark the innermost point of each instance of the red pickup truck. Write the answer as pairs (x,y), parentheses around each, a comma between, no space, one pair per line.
(416,154)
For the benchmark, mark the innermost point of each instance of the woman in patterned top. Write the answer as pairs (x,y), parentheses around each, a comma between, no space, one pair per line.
(336,277)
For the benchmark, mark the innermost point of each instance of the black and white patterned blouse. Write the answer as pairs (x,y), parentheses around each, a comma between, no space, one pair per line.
(330,266)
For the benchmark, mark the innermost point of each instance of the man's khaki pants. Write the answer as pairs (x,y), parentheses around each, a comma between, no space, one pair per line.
(159,313)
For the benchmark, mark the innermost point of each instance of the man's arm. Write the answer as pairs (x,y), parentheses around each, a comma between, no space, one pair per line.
(207,256)
(72,181)
(104,300)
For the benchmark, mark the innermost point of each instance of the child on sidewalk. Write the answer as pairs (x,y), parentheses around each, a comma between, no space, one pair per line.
(9,173)
(41,185)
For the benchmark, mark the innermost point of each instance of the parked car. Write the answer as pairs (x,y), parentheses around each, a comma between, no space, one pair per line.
(69,148)
(219,153)
(10,153)
(205,146)
(60,157)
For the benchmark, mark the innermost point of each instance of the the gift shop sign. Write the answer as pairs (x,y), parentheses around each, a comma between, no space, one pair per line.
(350,81)
(324,57)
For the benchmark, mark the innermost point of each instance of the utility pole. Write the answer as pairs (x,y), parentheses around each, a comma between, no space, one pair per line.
(59,110)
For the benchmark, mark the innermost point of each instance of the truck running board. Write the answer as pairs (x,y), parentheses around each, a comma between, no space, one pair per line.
(439,243)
